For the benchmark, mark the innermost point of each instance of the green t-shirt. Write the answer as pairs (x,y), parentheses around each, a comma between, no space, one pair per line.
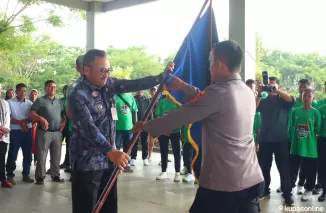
(264,94)
(164,107)
(185,134)
(68,126)
(257,123)
(322,111)
(124,113)
(298,103)
(321,102)
(305,124)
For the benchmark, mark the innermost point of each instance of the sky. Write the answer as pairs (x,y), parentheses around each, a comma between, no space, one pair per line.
(289,25)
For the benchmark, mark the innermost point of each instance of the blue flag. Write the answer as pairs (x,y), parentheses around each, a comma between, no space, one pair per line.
(192,66)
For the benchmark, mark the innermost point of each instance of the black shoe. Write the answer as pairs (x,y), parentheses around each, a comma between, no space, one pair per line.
(265,195)
(48,172)
(28,179)
(322,198)
(288,201)
(58,179)
(63,166)
(279,190)
(68,170)
(128,169)
(317,190)
(39,181)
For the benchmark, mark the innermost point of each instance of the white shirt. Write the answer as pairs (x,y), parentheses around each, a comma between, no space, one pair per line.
(6,119)
(19,111)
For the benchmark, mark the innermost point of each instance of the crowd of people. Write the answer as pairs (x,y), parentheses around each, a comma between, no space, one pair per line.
(293,129)
(243,126)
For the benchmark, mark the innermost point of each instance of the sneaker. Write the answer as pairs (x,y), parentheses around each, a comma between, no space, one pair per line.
(317,190)
(132,162)
(11,180)
(162,176)
(322,198)
(128,169)
(184,171)
(307,195)
(146,163)
(177,177)
(28,179)
(189,178)
(6,184)
(288,201)
(300,190)
(265,195)
(279,190)
(39,181)
(58,179)
(63,166)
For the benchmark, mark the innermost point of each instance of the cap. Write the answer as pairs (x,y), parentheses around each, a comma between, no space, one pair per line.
(79,61)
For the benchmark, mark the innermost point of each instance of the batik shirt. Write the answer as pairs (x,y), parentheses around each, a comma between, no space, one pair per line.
(93,129)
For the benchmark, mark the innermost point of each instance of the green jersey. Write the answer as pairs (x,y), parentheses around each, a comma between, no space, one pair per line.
(185,134)
(322,111)
(321,102)
(257,123)
(305,124)
(264,94)
(124,111)
(298,103)
(164,107)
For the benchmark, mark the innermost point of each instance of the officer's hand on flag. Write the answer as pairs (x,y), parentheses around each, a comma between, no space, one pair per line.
(120,159)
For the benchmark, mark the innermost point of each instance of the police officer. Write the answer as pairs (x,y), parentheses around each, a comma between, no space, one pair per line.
(92,108)
(230,179)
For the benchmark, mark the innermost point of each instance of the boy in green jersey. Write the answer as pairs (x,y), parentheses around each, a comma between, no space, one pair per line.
(322,152)
(306,122)
(302,85)
(164,107)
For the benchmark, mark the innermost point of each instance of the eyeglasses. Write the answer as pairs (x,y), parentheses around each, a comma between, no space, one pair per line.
(106,71)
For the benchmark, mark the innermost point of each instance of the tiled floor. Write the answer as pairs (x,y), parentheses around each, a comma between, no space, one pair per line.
(139,192)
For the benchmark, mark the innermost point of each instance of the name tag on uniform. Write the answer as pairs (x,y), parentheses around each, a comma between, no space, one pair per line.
(114,113)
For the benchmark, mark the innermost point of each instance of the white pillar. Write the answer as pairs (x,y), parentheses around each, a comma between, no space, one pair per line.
(95,30)
(242,30)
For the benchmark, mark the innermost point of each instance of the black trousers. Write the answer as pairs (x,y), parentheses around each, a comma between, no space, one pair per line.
(87,188)
(144,146)
(187,156)
(210,201)
(164,147)
(66,135)
(281,152)
(3,151)
(322,162)
(309,165)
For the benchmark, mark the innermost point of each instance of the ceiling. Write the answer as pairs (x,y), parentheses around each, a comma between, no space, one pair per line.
(107,5)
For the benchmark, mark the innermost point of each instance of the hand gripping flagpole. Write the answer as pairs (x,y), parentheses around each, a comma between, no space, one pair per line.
(116,171)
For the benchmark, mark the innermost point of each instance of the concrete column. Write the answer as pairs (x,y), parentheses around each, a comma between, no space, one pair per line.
(242,29)
(95,30)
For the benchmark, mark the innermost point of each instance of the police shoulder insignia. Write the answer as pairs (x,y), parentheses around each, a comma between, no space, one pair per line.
(197,97)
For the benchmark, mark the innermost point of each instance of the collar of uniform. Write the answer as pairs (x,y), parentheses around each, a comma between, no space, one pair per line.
(230,78)
(47,97)
(16,99)
(90,85)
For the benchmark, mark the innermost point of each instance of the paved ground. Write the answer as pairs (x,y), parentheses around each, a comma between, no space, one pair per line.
(139,192)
